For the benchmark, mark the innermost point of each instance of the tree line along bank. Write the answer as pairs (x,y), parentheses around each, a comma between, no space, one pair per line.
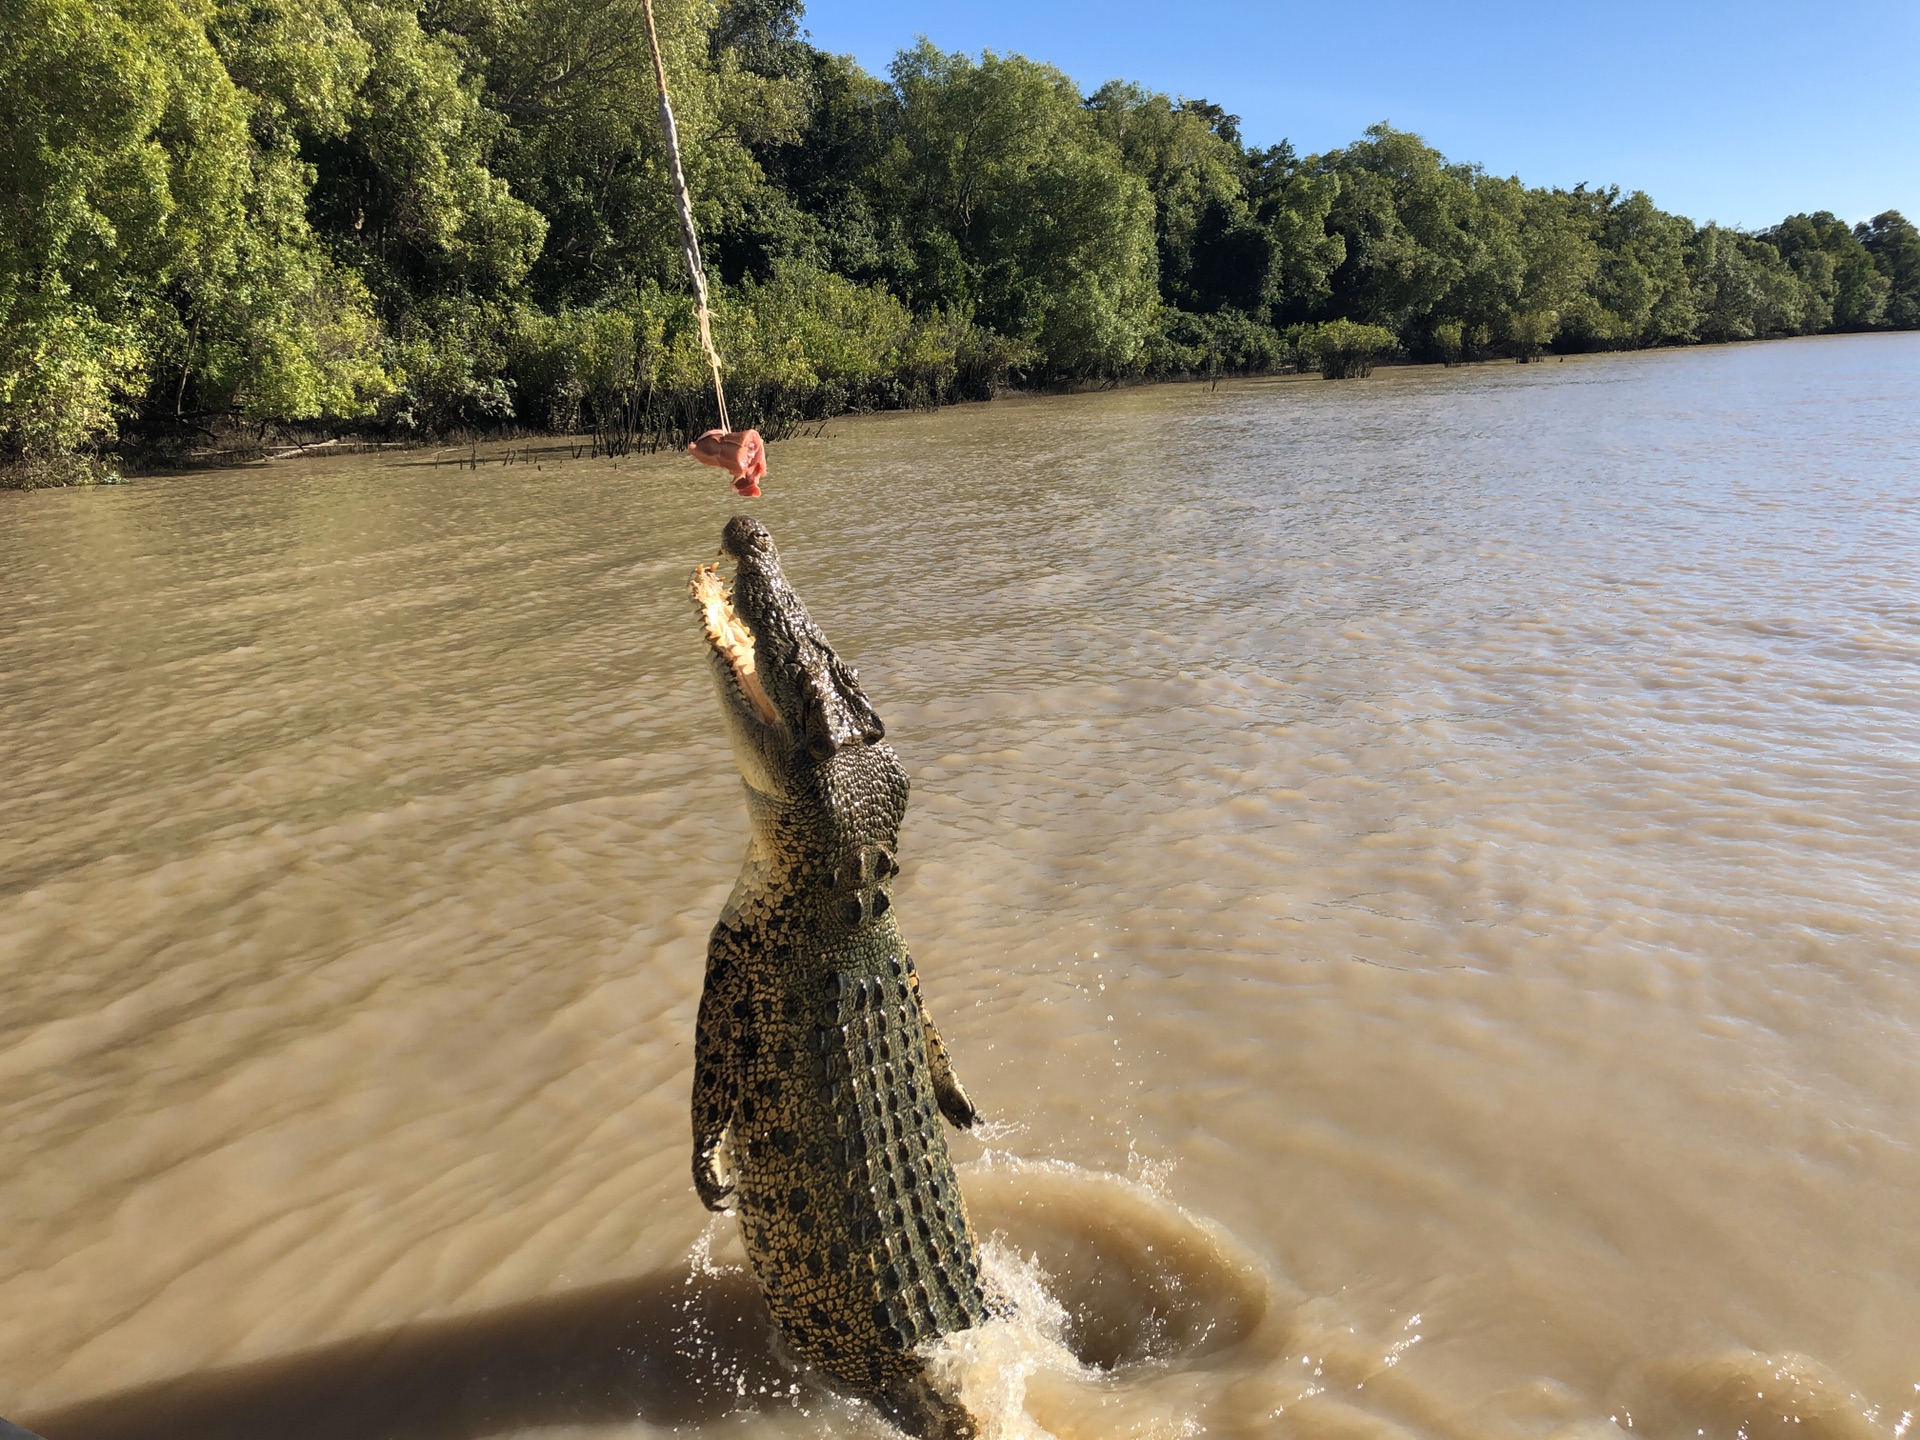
(414,218)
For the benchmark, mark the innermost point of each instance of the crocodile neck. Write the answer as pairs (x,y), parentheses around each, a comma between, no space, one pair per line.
(828,842)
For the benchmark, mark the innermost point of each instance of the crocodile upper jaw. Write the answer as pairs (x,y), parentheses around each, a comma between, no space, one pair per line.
(791,703)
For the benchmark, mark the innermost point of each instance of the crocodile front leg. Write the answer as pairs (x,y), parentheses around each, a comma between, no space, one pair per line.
(947,1093)
(716,1064)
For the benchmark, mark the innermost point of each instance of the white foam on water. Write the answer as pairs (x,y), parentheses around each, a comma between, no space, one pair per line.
(988,1367)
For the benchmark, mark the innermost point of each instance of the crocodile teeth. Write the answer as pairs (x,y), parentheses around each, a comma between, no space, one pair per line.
(728,634)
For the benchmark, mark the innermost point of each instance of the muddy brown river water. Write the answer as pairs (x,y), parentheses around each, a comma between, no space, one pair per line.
(1420,875)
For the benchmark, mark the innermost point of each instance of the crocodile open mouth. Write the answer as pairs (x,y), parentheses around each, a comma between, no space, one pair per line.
(730,637)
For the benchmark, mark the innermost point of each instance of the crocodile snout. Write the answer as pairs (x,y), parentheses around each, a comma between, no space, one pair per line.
(745,536)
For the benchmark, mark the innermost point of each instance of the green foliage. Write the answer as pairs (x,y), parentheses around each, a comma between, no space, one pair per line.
(1743,290)
(1641,293)
(447,358)
(1222,342)
(156,250)
(569,86)
(61,369)
(1194,174)
(1015,208)
(1844,290)
(123,166)
(1413,236)
(1555,232)
(1342,349)
(818,200)
(813,343)
(1428,243)
(806,344)
(1893,242)
(405,191)
(456,214)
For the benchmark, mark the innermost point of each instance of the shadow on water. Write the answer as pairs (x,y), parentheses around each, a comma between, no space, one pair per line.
(1134,1278)
(665,1349)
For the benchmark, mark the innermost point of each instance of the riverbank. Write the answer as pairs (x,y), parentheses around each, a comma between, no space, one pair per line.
(236,445)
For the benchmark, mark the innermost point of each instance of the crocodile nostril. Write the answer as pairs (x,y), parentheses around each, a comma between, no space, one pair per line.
(853,909)
(880,902)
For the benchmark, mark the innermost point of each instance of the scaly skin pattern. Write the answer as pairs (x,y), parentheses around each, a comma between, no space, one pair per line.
(815,1058)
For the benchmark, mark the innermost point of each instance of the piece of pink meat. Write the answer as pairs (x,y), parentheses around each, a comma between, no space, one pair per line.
(742,453)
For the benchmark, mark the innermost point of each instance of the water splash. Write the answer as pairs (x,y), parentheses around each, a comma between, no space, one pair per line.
(989,1366)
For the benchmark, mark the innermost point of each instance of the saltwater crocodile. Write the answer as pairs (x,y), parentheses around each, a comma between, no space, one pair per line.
(815,1058)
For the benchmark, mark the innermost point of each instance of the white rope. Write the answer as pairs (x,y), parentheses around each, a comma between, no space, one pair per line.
(690,239)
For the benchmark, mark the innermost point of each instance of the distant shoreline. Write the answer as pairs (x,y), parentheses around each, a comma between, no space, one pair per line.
(482,446)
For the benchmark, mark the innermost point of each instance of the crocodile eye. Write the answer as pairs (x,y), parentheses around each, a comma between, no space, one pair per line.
(880,902)
(815,729)
(883,863)
(853,909)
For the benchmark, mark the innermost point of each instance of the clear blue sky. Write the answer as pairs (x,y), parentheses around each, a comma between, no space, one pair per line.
(1737,112)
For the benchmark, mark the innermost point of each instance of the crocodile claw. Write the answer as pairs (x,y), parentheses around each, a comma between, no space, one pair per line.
(954,1104)
(707,1182)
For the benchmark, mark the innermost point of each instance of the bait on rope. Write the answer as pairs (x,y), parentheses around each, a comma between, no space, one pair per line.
(741,453)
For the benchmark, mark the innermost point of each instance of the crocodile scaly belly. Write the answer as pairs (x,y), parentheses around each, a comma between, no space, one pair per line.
(849,1208)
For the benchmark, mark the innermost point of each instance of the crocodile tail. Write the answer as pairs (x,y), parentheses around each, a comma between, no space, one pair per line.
(924,1413)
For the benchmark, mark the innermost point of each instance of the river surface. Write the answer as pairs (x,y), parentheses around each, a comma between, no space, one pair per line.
(1420,875)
